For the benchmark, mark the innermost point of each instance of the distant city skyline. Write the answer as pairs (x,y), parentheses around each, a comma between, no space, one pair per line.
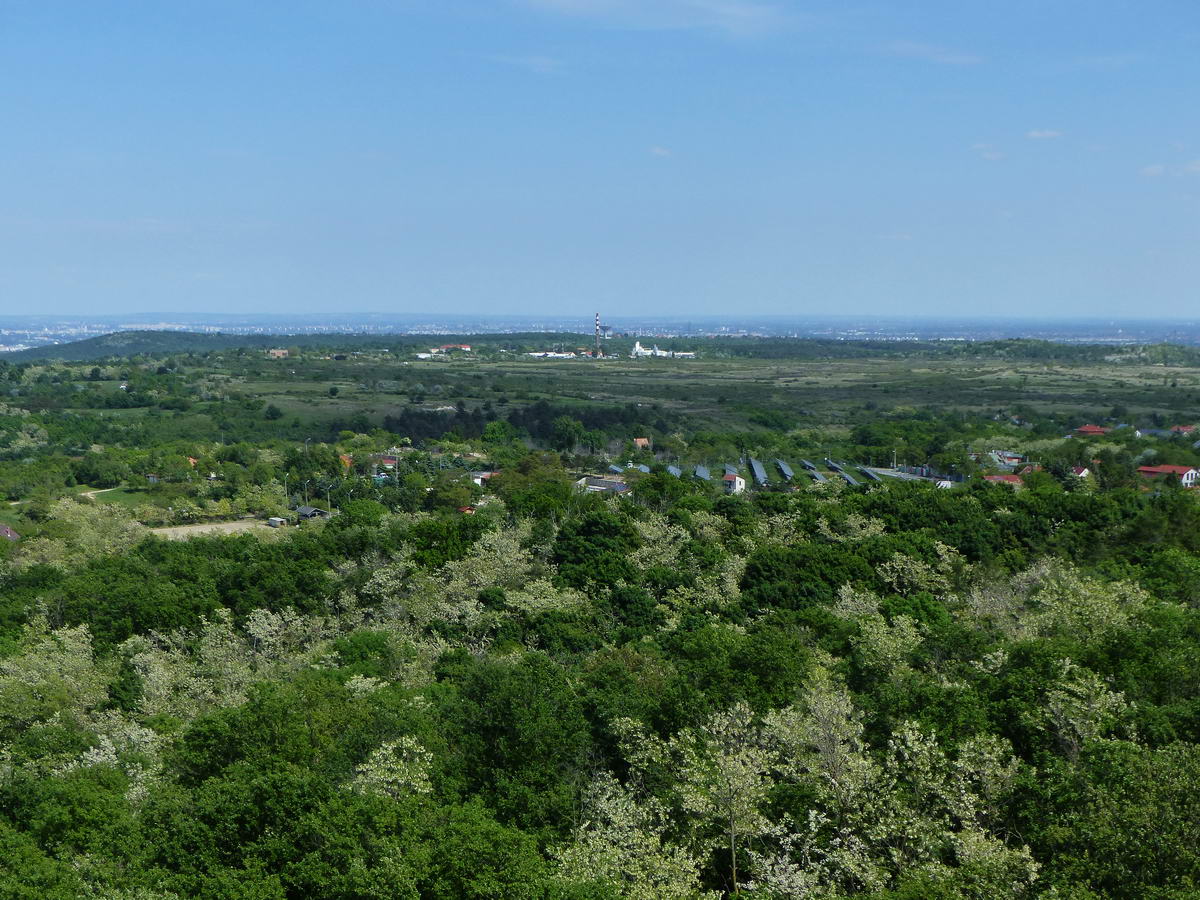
(26,332)
(669,158)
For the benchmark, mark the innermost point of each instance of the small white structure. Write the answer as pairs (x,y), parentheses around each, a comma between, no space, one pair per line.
(734,484)
(640,352)
(277,521)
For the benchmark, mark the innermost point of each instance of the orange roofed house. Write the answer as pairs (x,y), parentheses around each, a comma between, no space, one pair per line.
(1090,430)
(1013,480)
(1186,474)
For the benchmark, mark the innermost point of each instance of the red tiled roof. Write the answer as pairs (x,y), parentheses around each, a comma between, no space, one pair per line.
(1004,479)
(1091,429)
(1165,470)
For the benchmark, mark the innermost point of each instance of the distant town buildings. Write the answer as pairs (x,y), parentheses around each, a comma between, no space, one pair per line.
(640,352)
(277,353)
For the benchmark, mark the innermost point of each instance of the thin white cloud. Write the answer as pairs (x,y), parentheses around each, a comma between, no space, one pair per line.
(1108,61)
(1159,170)
(988,152)
(538,65)
(933,53)
(1043,134)
(734,17)
(660,151)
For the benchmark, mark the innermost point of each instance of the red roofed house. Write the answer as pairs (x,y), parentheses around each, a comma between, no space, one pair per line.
(1183,429)
(734,484)
(1013,480)
(1186,474)
(1080,471)
(1090,431)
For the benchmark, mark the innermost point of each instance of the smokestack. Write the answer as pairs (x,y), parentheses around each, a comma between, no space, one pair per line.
(597,353)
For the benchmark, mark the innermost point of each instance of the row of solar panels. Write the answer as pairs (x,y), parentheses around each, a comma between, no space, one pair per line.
(759,472)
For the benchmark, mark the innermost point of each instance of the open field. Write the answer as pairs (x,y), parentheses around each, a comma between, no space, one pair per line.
(726,392)
(208,529)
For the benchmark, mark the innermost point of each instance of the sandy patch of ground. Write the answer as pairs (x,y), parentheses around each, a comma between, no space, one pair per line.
(182,532)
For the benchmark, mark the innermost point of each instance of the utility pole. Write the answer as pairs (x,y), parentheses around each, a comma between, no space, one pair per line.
(596,354)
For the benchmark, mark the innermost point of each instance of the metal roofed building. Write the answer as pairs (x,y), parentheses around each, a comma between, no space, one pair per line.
(594,484)
(701,472)
(811,466)
(785,470)
(675,470)
(730,469)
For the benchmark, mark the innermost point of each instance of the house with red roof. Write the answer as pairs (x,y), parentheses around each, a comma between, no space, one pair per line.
(1013,481)
(1186,475)
(1091,430)
(1182,429)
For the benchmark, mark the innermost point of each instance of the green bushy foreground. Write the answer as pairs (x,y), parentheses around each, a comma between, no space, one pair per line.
(518,691)
(893,693)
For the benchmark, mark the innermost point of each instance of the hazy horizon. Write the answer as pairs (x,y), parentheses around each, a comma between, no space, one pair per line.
(743,158)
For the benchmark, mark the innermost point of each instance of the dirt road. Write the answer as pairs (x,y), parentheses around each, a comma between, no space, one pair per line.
(183,532)
(91,495)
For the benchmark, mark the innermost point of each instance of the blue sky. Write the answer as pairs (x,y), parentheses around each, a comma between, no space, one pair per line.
(1032,157)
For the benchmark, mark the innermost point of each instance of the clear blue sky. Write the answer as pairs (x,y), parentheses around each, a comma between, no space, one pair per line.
(633,156)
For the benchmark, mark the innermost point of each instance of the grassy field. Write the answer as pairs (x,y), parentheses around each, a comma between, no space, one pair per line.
(727,392)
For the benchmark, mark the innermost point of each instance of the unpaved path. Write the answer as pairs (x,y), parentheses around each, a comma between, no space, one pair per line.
(91,495)
(183,532)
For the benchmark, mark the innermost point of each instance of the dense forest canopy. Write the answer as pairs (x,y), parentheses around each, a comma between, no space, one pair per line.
(473,679)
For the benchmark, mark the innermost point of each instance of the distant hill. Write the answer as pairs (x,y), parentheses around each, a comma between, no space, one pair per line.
(159,343)
(133,343)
